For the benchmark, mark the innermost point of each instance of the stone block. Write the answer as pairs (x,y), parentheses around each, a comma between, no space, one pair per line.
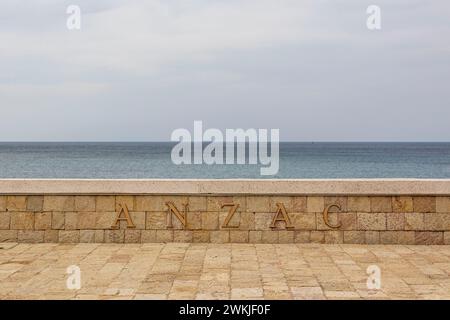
(16,203)
(355,237)
(86,220)
(429,238)
(58,220)
(197,203)
(358,204)
(43,221)
(2,203)
(443,204)
(436,221)
(220,236)
(132,236)
(158,220)
(380,204)
(237,236)
(182,236)
(347,220)
(114,236)
(105,203)
(263,220)
(30,236)
(99,236)
(85,203)
(51,236)
(35,203)
(87,236)
(69,236)
(285,236)
(372,237)
(302,236)
(247,220)
(71,221)
(424,204)
(254,236)
(148,236)
(371,221)
(269,236)
(210,220)
(303,221)
(59,203)
(8,235)
(194,220)
(299,204)
(22,220)
(164,235)
(395,221)
(334,237)
(402,204)
(258,204)
(414,221)
(5,220)
(317,236)
(397,237)
(139,219)
(447,237)
(315,204)
(200,236)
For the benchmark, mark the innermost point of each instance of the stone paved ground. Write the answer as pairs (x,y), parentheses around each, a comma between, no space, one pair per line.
(223,271)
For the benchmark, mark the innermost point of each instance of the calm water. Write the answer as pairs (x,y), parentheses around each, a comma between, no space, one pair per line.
(152,160)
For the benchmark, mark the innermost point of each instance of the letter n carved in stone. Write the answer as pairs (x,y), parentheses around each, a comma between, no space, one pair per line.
(171,208)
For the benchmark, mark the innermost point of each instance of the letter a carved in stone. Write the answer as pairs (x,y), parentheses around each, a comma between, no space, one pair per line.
(284,217)
(127,218)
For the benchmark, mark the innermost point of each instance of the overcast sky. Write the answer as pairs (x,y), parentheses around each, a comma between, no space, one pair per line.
(139,69)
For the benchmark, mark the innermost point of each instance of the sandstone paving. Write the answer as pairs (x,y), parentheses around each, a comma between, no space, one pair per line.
(223,271)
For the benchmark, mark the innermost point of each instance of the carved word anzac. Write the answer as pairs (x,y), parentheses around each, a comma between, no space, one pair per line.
(281,215)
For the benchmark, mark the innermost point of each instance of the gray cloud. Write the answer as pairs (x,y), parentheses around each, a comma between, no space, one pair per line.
(139,69)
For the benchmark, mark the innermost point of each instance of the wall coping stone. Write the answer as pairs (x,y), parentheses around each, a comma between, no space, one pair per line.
(319,187)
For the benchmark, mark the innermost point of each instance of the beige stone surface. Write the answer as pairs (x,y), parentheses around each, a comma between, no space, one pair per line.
(380,204)
(402,204)
(5,220)
(35,203)
(2,203)
(105,203)
(315,204)
(22,220)
(59,203)
(224,271)
(353,187)
(16,203)
(358,204)
(43,220)
(443,204)
(258,204)
(371,221)
(30,236)
(85,203)
(424,204)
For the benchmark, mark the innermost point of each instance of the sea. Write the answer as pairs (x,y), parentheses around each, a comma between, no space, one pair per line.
(297,160)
